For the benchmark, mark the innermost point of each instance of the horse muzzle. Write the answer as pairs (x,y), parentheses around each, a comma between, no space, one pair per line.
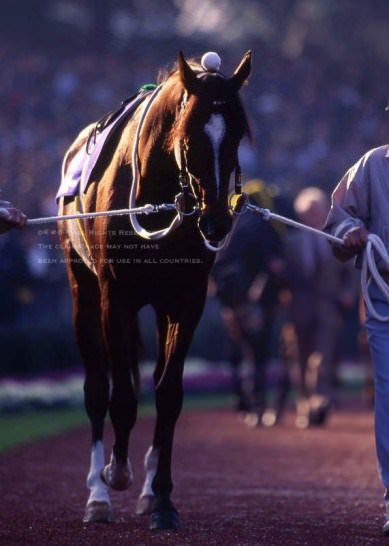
(215,227)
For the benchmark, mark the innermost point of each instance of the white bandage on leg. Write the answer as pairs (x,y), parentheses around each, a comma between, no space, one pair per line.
(98,489)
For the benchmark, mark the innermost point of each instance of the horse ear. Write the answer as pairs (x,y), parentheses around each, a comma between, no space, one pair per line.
(243,71)
(187,75)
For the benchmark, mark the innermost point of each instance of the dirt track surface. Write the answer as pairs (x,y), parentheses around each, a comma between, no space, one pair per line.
(233,486)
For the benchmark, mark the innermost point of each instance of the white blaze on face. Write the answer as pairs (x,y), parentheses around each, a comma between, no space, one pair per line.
(215,128)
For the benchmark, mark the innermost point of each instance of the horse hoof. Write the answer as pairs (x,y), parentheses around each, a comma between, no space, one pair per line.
(117,476)
(164,520)
(145,505)
(98,512)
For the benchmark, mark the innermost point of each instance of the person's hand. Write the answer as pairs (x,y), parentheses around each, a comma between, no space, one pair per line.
(356,238)
(10,217)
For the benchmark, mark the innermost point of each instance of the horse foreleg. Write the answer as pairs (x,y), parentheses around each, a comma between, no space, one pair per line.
(98,508)
(169,398)
(146,501)
(180,324)
(122,339)
(87,326)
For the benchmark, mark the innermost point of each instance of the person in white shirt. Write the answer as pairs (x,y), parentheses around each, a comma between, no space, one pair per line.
(360,205)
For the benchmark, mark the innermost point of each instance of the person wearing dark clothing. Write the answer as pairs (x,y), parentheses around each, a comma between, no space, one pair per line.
(14,277)
(246,275)
(13,267)
(322,290)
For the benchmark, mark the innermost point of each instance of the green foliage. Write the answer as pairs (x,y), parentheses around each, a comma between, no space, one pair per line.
(19,429)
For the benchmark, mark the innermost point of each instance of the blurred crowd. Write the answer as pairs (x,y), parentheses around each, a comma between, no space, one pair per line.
(312,115)
(289,301)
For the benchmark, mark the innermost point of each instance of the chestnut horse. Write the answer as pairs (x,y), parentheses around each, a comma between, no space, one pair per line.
(192,129)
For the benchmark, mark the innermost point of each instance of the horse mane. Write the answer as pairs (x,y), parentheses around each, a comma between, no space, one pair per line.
(184,121)
(166,73)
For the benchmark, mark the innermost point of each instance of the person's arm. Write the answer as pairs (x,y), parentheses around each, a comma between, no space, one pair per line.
(348,218)
(10,217)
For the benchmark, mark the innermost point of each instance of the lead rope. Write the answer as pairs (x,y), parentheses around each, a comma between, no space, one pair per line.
(369,269)
(369,266)
(145,209)
(374,246)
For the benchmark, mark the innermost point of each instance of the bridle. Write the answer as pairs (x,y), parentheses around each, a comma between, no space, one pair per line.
(187,202)
(185,177)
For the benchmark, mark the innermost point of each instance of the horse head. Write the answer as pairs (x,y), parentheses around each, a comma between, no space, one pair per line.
(190,130)
(209,126)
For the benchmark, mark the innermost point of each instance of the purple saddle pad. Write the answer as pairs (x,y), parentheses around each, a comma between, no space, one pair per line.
(77,176)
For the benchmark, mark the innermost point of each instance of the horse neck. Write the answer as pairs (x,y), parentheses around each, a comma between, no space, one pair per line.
(158,168)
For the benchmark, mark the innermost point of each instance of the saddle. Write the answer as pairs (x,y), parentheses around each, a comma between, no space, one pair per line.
(78,172)
(76,178)
(110,118)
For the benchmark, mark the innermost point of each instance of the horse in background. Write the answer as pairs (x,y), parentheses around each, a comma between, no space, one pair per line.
(193,126)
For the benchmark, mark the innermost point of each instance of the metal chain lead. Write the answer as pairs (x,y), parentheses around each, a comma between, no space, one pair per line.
(145,209)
